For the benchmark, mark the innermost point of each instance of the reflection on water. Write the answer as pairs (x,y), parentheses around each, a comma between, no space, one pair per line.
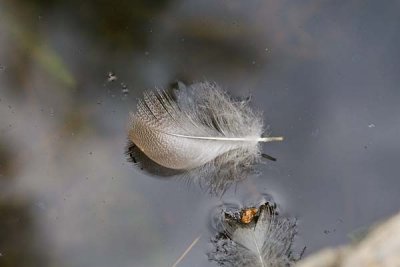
(322,73)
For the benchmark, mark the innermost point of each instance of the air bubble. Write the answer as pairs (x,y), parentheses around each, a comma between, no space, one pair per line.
(125,89)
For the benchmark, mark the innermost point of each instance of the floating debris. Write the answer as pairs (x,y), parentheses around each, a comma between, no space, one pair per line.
(111,77)
(186,251)
(248,215)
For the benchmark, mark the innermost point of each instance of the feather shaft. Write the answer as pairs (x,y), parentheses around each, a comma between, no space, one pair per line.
(259,253)
(270,139)
(231,139)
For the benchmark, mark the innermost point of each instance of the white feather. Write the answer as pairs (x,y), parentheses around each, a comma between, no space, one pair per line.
(198,128)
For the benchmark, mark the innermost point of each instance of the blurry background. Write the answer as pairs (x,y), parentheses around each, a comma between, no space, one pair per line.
(325,74)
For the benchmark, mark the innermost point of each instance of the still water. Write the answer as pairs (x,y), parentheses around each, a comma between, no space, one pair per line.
(325,74)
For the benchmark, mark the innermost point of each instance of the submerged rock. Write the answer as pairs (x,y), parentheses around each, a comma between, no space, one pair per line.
(380,248)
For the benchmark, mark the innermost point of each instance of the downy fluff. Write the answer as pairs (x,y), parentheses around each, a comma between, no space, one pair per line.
(198,132)
(266,241)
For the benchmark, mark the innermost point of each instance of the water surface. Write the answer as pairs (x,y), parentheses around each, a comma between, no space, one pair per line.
(325,74)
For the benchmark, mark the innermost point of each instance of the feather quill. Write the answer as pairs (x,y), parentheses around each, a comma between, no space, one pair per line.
(264,242)
(200,131)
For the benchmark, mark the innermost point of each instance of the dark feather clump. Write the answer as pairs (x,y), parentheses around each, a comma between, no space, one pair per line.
(265,241)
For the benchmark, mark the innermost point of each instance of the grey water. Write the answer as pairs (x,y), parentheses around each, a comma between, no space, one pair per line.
(325,74)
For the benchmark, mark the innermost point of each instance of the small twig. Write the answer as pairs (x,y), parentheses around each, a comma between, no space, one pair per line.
(186,251)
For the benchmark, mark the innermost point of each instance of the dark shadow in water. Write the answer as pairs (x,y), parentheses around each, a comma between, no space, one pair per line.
(18,244)
(139,159)
(119,25)
(8,162)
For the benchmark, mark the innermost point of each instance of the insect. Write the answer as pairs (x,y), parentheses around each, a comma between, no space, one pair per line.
(248,214)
